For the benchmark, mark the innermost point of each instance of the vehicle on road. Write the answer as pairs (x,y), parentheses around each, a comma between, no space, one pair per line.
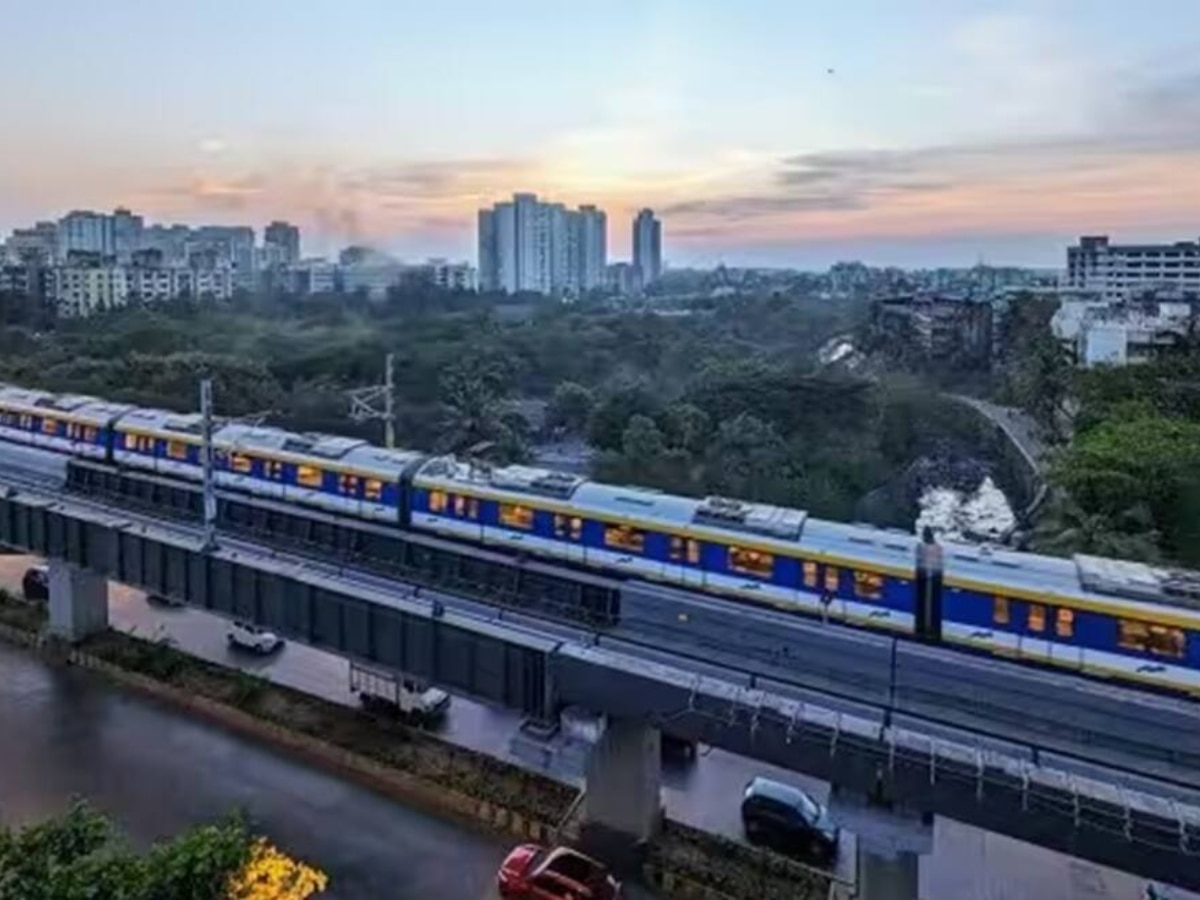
(533,872)
(35,584)
(397,696)
(788,820)
(248,636)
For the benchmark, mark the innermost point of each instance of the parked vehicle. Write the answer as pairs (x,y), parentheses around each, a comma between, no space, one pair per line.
(248,636)
(35,584)
(397,696)
(787,819)
(532,872)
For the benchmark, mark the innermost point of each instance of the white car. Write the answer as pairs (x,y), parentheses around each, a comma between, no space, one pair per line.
(248,636)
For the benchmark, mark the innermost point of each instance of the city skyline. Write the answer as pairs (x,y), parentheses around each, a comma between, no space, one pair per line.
(768,134)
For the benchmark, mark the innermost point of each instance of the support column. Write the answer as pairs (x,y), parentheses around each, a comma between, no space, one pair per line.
(78,602)
(887,876)
(622,806)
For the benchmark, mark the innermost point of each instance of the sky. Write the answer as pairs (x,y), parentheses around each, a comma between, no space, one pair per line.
(763,132)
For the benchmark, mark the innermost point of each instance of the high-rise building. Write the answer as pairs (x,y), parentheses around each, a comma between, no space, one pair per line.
(647,247)
(281,240)
(37,245)
(85,231)
(127,231)
(593,248)
(528,245)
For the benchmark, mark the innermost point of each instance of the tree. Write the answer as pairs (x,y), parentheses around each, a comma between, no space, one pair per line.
(471,407)
(80,856)
(1066,528)
(611,415)
(570,407)
(749,460)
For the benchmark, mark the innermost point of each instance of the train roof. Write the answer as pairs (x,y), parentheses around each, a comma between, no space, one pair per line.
(869,543)
(1130,584)
(80,407)
(164,421)
(267,437)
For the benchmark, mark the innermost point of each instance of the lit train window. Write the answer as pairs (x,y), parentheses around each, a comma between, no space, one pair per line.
(560,525)
(1064,623)
(49,426)
(1157,639)
(677,549)
(131,442)
(241,463)
(438,501)
(460,506)
(373,489)
(810,574)
(868,585)
(177,450)
(622,537)
(1001,615)
(831,579)
(348,485)
(751,562)
(1037,617)
(693,554)
(513,515)
(308,476)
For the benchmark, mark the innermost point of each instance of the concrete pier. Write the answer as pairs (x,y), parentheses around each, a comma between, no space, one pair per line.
(78,602)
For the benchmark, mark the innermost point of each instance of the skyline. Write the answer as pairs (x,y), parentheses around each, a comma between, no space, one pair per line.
(762,135)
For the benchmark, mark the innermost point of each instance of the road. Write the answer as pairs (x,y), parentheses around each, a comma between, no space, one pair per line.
(1020,427)
(966,863)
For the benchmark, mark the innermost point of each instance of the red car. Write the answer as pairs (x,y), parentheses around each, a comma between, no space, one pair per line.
(535,873)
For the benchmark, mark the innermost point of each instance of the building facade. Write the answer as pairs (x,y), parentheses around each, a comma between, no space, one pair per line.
(647,247)
(84,231)
(281,243)
(1120,271)
(37,245)
(127,231)
(544,248)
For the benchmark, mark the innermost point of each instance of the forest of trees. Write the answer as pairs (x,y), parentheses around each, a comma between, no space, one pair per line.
(721,397)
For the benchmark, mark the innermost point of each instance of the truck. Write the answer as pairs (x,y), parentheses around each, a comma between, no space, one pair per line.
(396,695)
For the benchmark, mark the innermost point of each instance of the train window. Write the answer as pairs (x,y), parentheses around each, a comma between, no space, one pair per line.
(513,515)
(90,434)
(1037,617)
(49,426)
(348,485)
(1001,614)
(438,501)
(1166,641)
(27,421)
(273,469)
(693,552)
(460,506)
(810,574)
(131,442)
(373,489)
(751,562)
(623,537)
(241,463)
(677,549)
(1064,623)
(868,585)
(560,525)
(1157,639)
(473,509)
(308,476)
(831,579)
(177,450)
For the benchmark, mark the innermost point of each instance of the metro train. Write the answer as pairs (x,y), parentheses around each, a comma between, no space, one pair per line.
(1113,619)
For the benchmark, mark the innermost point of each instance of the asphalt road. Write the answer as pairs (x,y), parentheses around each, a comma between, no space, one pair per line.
(965,864)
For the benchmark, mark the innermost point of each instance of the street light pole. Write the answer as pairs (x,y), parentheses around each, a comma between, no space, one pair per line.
(389,402)
(364,402)
(206,453)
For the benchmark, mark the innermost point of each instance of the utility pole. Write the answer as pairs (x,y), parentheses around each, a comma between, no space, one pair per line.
(206,453)
(364,402)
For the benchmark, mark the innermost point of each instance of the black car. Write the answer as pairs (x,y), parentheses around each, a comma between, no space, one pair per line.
(786,819)
(35,584)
